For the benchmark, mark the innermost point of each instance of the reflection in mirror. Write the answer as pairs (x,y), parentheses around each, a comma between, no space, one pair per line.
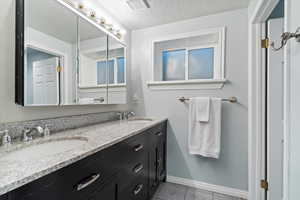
(117,91)
(50,49)
(92,65)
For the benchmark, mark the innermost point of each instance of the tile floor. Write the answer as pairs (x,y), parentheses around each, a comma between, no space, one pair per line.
(170,191)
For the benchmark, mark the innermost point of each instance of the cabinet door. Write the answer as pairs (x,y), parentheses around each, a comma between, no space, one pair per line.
(108,192)
(4,197)
(161,161)
(157,158)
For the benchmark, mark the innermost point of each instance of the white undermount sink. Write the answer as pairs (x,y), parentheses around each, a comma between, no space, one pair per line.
(44,148)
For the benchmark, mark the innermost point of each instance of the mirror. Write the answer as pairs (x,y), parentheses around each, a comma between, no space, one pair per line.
(116,63)
(49,52)
(64,58)
(92,88)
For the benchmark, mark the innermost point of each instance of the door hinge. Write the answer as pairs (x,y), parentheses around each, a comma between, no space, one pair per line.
(265,43)
(58,68)
(264,184)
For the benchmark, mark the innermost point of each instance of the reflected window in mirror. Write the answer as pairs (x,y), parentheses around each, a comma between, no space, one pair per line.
(117,89)
(92,87)
(101,72)
(121,69)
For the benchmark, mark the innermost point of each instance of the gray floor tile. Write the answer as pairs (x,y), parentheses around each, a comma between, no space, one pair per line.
(170,191)
(196,194)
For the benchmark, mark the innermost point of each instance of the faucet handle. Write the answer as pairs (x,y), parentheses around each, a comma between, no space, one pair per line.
(26,138)
(6,138)
(131,114)
(47,130)
(120,115)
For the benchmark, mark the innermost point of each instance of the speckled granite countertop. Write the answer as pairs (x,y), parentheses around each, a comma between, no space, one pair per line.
(16,170)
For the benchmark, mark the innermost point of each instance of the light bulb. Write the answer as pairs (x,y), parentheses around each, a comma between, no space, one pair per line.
(92,14)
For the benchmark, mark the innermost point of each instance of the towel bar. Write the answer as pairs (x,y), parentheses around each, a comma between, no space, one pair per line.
(230,99)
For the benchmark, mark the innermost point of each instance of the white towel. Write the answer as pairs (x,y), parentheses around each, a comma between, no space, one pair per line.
(202,108)
(205,137)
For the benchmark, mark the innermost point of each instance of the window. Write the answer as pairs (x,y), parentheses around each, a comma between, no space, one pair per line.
(200,64)
(174,65)
(111,71)
(101,72)
(191,58)
(116,71)
(121,69)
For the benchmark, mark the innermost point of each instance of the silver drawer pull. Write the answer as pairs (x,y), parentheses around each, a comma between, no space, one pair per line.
(158,162)
(138,189)
(90,181)
(138,168)
(138,147)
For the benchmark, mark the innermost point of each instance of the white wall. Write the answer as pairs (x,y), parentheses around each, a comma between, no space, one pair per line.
(8,110)
(251,7)
(294,173)
(231,169)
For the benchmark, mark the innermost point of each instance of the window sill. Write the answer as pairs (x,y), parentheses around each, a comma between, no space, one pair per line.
(119,85)
(190,85)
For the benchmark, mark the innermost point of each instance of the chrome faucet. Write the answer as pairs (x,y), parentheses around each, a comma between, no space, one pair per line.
(28,133)
(127,115)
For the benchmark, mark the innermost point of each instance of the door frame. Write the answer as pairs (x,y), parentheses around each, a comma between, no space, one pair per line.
(257,94)
(62,60)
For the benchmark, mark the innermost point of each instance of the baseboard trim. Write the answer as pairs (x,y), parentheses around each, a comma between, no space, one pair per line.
(209,187)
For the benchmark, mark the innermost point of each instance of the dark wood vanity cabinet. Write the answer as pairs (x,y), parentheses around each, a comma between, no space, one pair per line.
(157,158)
(129,170)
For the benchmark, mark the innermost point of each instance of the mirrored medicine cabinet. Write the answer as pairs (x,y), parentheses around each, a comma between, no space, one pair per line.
(63,59)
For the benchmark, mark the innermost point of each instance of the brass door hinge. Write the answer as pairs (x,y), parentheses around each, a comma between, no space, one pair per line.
(264,184)
(58,68)
(265,43)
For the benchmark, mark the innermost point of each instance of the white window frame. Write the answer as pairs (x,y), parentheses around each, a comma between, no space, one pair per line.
(218,80)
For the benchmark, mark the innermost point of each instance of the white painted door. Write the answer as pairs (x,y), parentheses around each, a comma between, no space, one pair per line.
(275,128)
(293,111)
(45,82)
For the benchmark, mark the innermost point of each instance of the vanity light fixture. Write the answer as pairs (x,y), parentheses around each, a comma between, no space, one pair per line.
(138,4)
(92,15)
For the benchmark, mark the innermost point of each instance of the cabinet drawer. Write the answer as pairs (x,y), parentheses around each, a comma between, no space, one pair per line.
(108,192)
(134,149)
(137,190)
(158,131)
(4,197)
(74,182)
(133,171)
(90,174)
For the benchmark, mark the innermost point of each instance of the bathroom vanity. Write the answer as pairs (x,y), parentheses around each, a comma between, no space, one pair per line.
(116,161)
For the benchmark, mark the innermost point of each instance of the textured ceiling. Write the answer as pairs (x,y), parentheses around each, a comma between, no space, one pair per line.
(167,11)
